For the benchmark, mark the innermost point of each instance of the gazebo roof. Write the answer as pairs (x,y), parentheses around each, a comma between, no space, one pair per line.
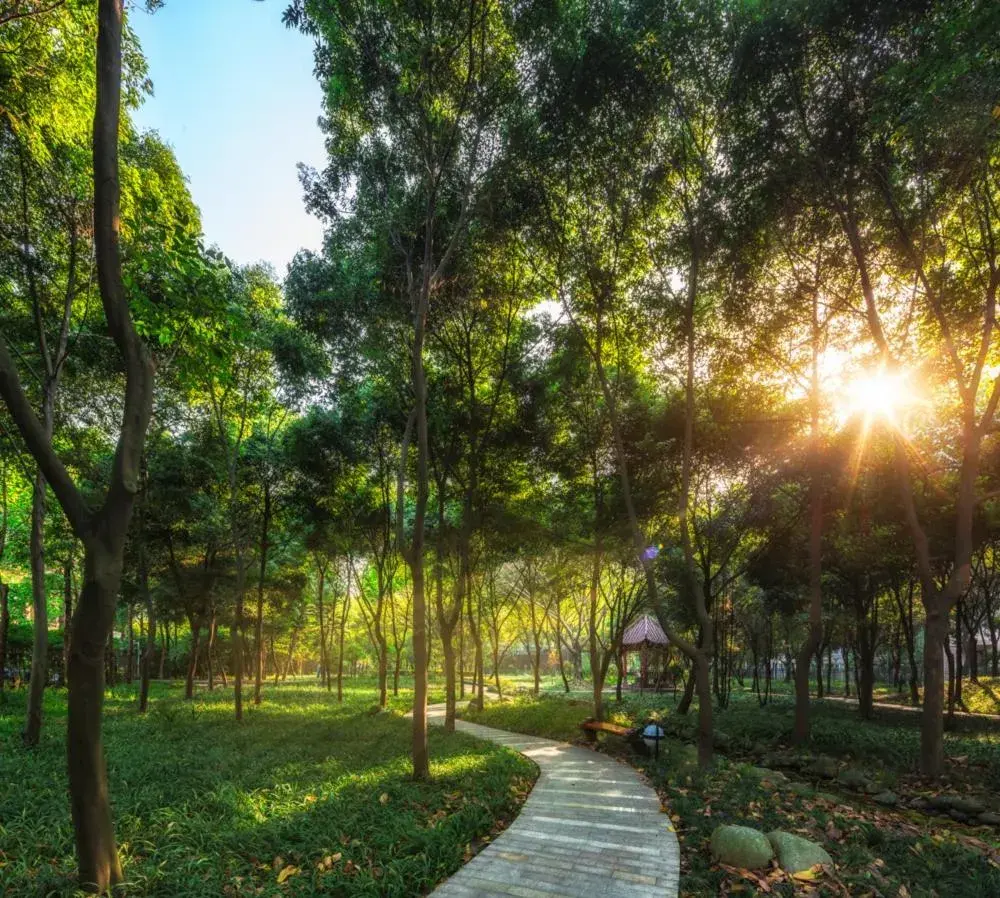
(645,631)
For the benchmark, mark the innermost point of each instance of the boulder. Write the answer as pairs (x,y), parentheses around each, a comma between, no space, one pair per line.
(919,803)
(722,741)
(741,846)
(852,778)
(989,818)
(766,775)
(824,767)
(889,798)
(966,805)
(802,789)
(796,854)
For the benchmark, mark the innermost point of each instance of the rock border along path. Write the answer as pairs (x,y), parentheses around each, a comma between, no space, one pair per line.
(590,827)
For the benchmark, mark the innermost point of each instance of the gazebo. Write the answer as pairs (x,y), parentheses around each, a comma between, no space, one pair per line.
(645,636)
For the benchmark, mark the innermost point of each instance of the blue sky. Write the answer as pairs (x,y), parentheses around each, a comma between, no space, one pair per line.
(235,96)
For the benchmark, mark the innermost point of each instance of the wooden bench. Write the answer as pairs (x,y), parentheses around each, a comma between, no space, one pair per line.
(592,727)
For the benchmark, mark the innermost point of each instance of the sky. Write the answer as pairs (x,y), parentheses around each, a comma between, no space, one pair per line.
(235,96)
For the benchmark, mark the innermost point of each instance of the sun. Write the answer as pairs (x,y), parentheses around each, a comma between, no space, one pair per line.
(876,395)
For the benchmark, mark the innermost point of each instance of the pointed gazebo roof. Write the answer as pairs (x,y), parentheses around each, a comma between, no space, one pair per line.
(644,631)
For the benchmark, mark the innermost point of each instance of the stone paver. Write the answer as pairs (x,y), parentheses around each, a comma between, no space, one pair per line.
(590,827)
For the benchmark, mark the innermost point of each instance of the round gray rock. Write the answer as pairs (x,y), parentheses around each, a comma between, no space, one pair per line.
(823,766)
(853,779)
(741,846)
(796,854)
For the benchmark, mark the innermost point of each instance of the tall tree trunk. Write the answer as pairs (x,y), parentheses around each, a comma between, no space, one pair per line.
(475,628)
(340,648)
(598,664)
(129,623)
(684,705)
(932,720)
(414,553)
(957,699)
(210,648)
(193,662)
(324,661)
(67,612)
(448,652)
(39,606)
(4,630)
(559,649)
(800,730)
(262,573)
(236,629)
(383,666)
(149,654)
(95,842)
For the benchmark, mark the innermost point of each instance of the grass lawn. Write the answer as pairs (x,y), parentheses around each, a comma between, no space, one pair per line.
(304,798)
(982,697)
(878,852)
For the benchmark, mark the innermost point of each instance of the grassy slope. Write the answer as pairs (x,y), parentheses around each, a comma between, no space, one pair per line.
(982,697)
(877,851)
(206,807)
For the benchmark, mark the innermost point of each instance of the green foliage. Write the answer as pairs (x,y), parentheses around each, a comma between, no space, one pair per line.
(305,798)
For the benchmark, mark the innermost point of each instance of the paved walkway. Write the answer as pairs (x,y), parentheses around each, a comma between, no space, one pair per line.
(591,827)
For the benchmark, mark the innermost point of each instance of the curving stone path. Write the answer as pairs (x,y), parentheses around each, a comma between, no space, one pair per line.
(591,827)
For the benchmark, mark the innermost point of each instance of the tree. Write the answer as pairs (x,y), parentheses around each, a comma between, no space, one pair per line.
(103,529)
(874,119)
(414,127)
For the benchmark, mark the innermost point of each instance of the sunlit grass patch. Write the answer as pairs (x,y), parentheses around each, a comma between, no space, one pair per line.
(304,797)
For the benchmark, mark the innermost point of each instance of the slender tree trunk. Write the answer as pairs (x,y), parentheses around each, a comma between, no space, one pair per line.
(39,608)
(210,649)
(262,573)
(800,732)
(448,651)
(340,649)
(559,649)
(67,613)
(415,551)
(475,627)
(324,661)
(150,647)
(4,630)
(598,664)
(383,667)
(236,629)
(688,696)
(130,624)
(193,662)
(957,699)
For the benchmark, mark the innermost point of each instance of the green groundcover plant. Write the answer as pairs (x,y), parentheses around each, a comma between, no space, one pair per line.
(306,797)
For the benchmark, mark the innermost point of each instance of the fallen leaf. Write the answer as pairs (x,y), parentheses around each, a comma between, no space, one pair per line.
(286,871)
